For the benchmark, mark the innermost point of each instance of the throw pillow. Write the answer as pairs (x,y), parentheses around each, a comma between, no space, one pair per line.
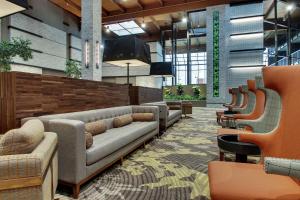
(122,121)
(88,140)
(143,117)
(23,140)
(96,127)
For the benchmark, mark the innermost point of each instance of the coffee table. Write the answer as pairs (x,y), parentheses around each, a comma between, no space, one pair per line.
(187,108)
(230,143)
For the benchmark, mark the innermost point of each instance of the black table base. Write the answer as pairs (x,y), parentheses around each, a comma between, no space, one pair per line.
(231,144)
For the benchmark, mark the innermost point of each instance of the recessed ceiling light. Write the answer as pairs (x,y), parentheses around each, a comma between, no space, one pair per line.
(107,29)
(143,25)
(184,20)
(290,7)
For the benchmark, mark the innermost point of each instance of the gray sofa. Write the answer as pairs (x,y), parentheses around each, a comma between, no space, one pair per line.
(167,117)
(76,164)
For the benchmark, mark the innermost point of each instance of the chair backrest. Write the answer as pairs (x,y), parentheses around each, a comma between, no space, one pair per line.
(239,97)
(260,97)
(233,96)
(286,137)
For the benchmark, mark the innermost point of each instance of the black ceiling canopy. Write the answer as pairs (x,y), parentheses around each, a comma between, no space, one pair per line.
(161,69)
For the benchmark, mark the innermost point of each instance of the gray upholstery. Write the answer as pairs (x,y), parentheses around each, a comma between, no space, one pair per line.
(271,116)
(114,139)
(167,117)
(75,162)
(251,102)
(285,167)
(239,96)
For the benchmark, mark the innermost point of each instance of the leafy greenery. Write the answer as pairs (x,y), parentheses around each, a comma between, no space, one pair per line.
(196,91)
(183,97)
(10,49)
(216,61)
(180,90)
(73,69)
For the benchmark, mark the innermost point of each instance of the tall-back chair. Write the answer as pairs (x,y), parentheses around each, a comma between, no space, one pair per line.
(233,98)
(234,181)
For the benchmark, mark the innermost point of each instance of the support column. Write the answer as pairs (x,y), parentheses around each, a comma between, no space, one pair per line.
(91,23)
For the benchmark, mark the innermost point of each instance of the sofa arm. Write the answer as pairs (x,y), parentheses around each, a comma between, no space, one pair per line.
(285,167)
(147,109)
(163,111)
(174,103)
(71,148)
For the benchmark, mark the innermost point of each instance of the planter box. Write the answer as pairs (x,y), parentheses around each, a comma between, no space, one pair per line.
(200,103)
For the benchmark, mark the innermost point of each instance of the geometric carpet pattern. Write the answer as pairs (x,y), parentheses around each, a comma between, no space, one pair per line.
(173,167)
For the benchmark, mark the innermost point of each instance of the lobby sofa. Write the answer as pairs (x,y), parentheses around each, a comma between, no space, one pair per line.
(77,164)
(169,113)
(235,181)
(28,175)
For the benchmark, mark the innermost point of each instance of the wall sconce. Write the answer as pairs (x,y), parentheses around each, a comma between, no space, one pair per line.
(97,54)
(87,53)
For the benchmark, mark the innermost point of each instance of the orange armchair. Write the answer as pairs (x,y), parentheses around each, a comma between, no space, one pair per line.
(235,181)
(256,112)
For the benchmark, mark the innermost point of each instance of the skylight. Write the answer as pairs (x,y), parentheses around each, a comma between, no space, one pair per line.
(125,28)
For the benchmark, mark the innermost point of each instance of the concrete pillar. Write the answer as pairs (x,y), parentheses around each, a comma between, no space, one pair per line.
(215,97)
(91,23)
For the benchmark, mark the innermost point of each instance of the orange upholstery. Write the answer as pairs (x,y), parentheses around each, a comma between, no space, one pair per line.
(233,98)
(240,181)
(235,181)
(284,141)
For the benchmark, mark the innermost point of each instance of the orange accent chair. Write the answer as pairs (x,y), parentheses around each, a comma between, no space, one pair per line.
(236,181)
(256,112)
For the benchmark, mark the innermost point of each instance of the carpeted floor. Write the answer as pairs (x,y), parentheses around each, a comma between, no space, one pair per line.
(173,167)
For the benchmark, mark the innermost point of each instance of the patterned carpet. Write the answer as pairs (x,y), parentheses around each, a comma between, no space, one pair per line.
(173,167)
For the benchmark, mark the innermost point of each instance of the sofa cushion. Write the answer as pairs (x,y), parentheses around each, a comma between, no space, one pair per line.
(174,113)
(143,117)
(116,138)
(23,140)
(122,121)
(96,127)
(88,140)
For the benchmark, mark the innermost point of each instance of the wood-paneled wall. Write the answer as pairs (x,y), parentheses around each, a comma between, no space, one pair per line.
(29,95)
(140,95)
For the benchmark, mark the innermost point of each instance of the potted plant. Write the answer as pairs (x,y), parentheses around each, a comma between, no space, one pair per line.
(180,90)
(196,91)
(72,69)
(10,49)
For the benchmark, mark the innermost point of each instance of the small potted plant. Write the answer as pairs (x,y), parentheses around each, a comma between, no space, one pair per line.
(73,69)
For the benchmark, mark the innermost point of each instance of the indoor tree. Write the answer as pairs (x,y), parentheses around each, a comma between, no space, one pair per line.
(73,69)
(12,48)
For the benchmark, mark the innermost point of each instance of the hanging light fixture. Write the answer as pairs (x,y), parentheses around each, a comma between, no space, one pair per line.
(143,24)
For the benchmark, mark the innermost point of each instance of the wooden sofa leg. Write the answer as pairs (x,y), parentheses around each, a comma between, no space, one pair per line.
(76,191)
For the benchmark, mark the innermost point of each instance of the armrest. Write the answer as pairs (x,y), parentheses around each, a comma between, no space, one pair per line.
(163,110)
(71,147)
(174,103)
(261,140)
(285,167)
(147,109)
(20,166)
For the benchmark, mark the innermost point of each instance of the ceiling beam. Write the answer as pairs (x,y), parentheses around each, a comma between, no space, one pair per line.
(161,2)
(155,23)
(69,7)
(117,3)
(176,7)
(105,12)
(140,4)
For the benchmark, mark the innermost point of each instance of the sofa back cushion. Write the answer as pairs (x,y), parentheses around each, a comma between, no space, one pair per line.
(122,121)
(143,117)
(96,127)
(23,140)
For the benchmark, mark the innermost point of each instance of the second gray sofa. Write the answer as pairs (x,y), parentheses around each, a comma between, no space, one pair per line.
(76,164)
(169,112)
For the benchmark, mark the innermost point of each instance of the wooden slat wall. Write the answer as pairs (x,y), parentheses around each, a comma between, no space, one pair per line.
(140,95)
(29,95)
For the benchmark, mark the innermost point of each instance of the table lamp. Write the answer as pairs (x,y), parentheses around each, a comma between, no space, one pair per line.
(127,51)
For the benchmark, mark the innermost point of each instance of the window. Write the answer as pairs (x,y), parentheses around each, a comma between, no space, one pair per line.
(125,28)
(198,68)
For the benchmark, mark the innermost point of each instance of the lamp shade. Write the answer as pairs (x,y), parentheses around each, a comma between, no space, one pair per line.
(126,50)
(9,7)
(161,69)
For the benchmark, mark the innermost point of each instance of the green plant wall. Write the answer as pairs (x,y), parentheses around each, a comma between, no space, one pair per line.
(216,56)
